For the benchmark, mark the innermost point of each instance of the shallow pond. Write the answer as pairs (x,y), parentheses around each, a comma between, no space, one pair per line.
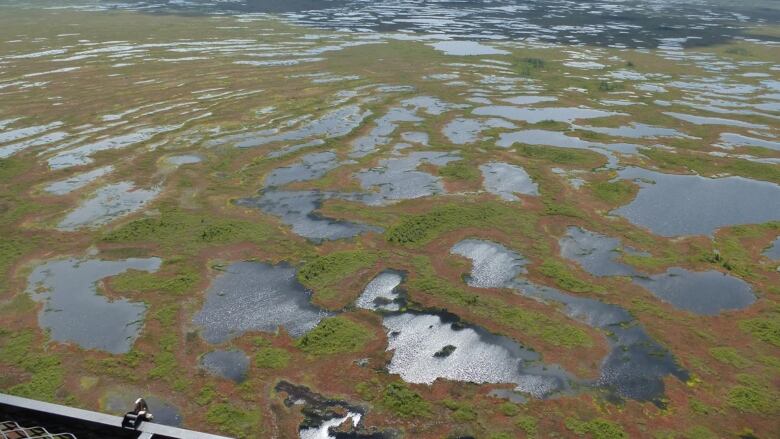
(461,131)
(336,123)
(677,205)
(382,293)
(730,140)
(427,347)
(466,48)
(773,252)
(253,296)
(184,159)
(506,180)
(77,181)
(398,178)
(310,167)
(536,115)
(298,209)
(635,131)
(231,365)
(73,309)
(108,203)
(701,292)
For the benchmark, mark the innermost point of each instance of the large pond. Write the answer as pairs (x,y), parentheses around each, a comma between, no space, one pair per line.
(253,296)
(74,311)
(701,292)
(677,205)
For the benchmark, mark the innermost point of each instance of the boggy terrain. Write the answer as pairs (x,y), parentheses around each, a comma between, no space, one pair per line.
(271,230)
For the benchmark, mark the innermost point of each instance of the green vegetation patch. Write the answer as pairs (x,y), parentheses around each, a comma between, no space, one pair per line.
(766,329)
(11,249)
(335,335)
(596,428)
(46,372)
(753,396)
(461,411)
(272,358)
(420,229)
(11,167)
(614,192)
(730,356)
(710,166)
(405,402)
(181,231)
(233,420)
(327,269)
(180,282)
(528,424)
(460,170)
(527,321)
(562,156)
(563,277)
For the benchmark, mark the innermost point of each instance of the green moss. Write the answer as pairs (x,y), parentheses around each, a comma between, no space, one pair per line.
(335,335)
(707,165)
(766,329)
(180,282)
(732,256)
(233,420)
(508,409)
(596,428)
(369,390)
(560,273)
(11,250)
(124,367)
(205,396)
(46,374)
(166,315)
(561,156)
(526,321)
(328,269)
(753,396)
(552,207)
(461,411)
(183,232)
(699,407)
(501,435)
(420,229)
(699,432)
(641,307)
(529,425)
(272,358)
(13,167)
(615,193)
(404,402)
(730,356)
(460,170)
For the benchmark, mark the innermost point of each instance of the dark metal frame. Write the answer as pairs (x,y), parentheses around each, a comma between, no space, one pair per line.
(62,422)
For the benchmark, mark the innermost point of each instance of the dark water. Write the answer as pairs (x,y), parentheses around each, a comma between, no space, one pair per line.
(605,22)
(231,365)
